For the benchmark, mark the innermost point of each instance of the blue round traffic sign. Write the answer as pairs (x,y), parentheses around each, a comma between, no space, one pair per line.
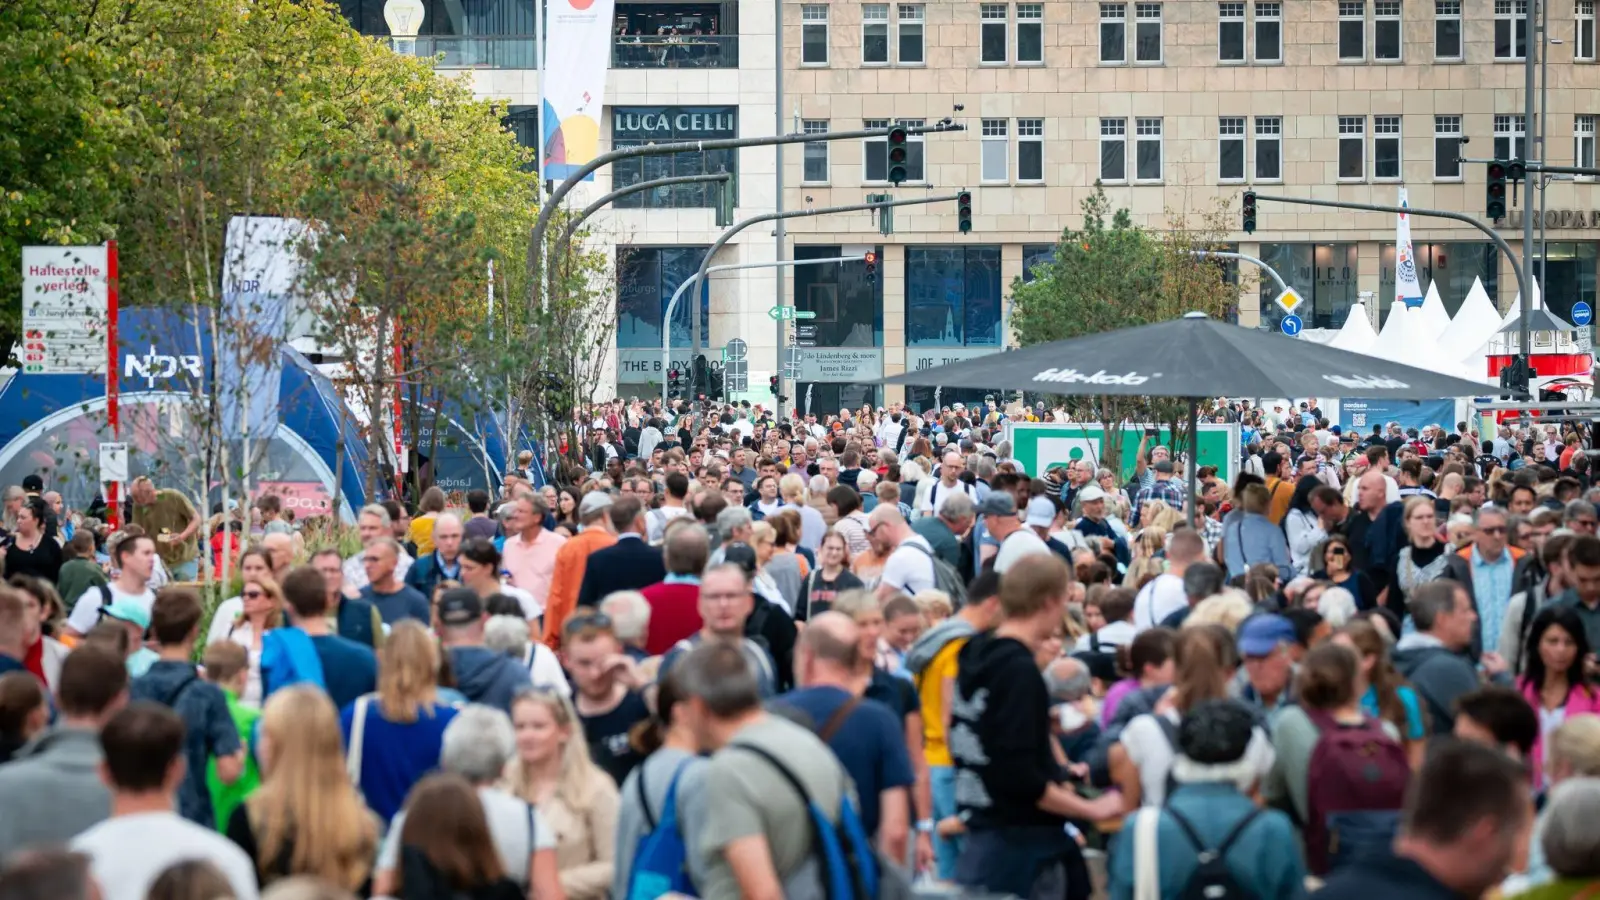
(1291,325)
(1582,313)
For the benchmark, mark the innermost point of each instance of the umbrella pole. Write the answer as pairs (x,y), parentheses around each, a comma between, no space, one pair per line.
(1192,469)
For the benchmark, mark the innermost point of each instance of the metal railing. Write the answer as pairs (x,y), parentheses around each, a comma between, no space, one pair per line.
(684,51)
(507,51)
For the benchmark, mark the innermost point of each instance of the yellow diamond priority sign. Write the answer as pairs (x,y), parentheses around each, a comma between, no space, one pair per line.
(1289,300)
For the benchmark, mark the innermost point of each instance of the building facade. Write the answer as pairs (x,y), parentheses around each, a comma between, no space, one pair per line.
(1174,106)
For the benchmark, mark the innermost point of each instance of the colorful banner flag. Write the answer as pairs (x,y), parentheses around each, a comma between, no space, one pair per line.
(1407,289)
(578,50)
(261,269)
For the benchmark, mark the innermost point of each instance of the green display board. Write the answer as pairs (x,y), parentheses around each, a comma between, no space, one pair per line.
(1038,446)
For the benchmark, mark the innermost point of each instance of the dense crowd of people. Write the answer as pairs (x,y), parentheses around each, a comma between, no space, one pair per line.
(851,656)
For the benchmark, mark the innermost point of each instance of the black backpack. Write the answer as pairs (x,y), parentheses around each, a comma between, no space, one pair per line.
(1212,879)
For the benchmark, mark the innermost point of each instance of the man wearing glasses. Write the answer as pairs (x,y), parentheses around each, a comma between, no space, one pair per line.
(1485,569)
(394,599)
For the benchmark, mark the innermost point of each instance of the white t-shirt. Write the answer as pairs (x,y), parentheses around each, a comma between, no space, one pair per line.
(656,521)
(909,569)
(1019,543)
(940,492)
(1115,634)
(1160,598)
(510,820)
(1149,749)
(531,607)
(128,853)
(243,634)
(86,612)
(544,670)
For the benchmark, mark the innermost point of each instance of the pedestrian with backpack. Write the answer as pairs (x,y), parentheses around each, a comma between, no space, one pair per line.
(1210,841)
(1341,772)
(662,805)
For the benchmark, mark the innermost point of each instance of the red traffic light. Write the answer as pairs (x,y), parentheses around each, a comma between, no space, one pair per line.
(1496,170)
(897,136)
(1497,189)
(870,258)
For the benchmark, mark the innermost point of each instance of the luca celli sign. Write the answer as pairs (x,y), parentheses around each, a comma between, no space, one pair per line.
(657,123)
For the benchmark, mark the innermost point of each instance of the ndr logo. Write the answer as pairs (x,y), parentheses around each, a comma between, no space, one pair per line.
(153,366)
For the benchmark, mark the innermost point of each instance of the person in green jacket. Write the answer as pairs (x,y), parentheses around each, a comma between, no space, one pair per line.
(227,665)
(80,572)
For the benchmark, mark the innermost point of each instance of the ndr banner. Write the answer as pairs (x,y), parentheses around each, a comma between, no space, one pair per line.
(1361,415)
(578,50)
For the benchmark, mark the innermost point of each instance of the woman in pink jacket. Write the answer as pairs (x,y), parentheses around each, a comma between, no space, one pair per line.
(1554,683)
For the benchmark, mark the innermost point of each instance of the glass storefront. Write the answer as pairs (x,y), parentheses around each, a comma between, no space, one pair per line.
(953,296)
(1324,274)
(1033,255)
(646,279)
(849,308)
(1569,275)
(468,33)
(633,126)
(1453,265)
(824,399)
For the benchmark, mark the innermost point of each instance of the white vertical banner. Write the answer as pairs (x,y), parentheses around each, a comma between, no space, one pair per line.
(578,45)
(1407,289)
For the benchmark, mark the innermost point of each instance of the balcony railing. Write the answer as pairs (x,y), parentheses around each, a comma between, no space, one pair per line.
(685,51)
(509,51)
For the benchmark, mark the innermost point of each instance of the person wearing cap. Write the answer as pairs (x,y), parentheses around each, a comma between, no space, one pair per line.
(1093,524)
(1041,516)
(999,514)
(1214,774)
(482,675)
(572,561)
(135,619)
(1266,648)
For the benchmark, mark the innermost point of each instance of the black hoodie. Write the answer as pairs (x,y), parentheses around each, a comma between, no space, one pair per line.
(1000,732)
(1439,675)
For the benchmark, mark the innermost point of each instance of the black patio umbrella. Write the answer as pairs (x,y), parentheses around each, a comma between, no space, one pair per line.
(1195,357)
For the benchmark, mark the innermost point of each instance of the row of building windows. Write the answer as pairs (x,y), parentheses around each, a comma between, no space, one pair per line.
(1369,31)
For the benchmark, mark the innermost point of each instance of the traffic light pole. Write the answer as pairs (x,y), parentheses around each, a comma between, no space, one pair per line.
(600,204)
(794,214)
(1517,265)
(1228,254)
(672,305)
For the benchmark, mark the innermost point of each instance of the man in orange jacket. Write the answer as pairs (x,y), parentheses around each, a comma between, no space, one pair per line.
(571,561)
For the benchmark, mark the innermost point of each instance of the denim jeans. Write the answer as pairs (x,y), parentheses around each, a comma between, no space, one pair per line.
(1034,861)
(946,851)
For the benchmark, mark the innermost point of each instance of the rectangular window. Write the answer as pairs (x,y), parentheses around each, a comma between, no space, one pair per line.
(1113,150)
(1446,29)
(814,35)
(1386,30)
(1030,150)
(1583,46)
(1386,148)
(1352,148)
(996,147)
(1147,165)
(1230,32)
(953,296)
(1510,29)
(992,33)
(1446,147)
(875,153)
(1352,30)
(1510,132)
(1269,148)
(910,34)
(1583,135)
(1030,33)
(1230,148)
(816,153)
(1113,33)
(1269,32)
(636,126)
(875,34)
(1147,33)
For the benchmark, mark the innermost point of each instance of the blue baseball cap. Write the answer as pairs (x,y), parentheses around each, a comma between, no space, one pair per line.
(1260,635)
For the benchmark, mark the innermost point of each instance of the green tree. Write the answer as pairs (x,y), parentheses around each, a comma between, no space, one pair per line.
(1109,275)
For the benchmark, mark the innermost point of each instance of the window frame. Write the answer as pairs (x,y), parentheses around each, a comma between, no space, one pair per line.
(985,23)
(1358,135)
(1516,21)
(867,145)
(1035,20)
(1346,18)
(1226,136)
(1114,15)
(1387,122)
(809,22)
(1515,135)
(1584,31)
(1140,138)
(1227,21)
(1382,19)
(1276,18)
(1139,24)
(1260,136)
(1585,135)
(815,126)
(1030,131)
(870,19)
(1453,122)
(1441,15)
(918,18)
(1118,126)
(990,133)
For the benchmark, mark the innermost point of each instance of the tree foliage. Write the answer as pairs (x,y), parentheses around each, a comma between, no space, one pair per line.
(1109,275)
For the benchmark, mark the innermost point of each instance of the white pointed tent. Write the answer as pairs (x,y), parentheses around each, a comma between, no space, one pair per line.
(1403,338)
(1356,335)
(1467,336)
(1434,318)
(1515,312)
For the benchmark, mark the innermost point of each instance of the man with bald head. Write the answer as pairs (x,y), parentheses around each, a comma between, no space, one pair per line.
(909,567)
(1375,529)
(444,563)
(280,553)
(951,465)
(865,734)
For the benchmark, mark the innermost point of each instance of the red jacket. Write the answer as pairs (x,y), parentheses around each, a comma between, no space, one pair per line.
(674,615)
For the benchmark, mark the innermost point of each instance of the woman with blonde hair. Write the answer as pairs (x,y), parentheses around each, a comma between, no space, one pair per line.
(393,737)
(428,510)
(1228,609)
(305,819)
(553,771)
(245,619)
(1143,571)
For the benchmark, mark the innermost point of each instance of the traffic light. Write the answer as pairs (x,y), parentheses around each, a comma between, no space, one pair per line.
(964,212)
(871,259)
(1495,191)
(714,390)
(1516,170)
(897,155)
(1249,210)
(674,382)
(699,373)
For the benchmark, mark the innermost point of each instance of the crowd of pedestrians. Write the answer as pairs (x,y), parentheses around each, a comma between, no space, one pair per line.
(861,656)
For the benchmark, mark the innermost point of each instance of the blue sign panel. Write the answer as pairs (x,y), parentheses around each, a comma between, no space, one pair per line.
(1291,325)
(1582,314)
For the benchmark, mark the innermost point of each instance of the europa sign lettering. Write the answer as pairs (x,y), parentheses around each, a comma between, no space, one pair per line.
(1556,218)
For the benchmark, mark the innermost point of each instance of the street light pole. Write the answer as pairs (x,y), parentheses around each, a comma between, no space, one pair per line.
(591,209)
(1529,114)
(778,230)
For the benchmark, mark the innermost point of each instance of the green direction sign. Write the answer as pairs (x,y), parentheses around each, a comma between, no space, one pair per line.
(1040,446)
(779,313)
